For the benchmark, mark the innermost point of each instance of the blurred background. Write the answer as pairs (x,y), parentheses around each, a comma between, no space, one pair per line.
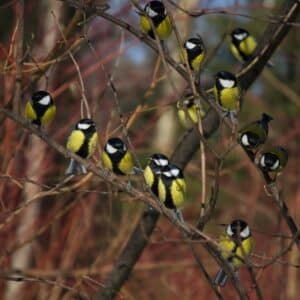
(68,240)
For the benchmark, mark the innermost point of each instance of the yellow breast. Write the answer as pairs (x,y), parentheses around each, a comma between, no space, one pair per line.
(229,99)
(48,115)
(178,192)
(126,163)
(93,144)
(149,177)
(162,192)
(107,161)
(197,62)
(29,112)
(248,46)
(75,140)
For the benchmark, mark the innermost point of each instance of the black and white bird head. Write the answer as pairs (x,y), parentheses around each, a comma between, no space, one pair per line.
(42,98)
(159,160)
(238,229)
(225,80)
(194,45)
(115,146)
(155,9)
(269,161)
(171,171)
(239,34)
(86,125)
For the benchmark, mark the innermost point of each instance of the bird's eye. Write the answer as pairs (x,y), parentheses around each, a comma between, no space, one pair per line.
(190,45)
(245,232)
(45,100)
(110,149)
(84,126)
(226,83)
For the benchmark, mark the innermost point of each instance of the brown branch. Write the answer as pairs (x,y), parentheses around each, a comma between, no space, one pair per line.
(19,58)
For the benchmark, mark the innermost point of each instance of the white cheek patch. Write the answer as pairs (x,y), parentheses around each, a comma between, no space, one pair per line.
(229,231)
(245,233)
(45,100)
(275,165)
(245,140)
(84,126)
(150,12)
(190,45)
(168,174)
(110,149)
(162,162)
(226,83)
(262,161)
(175,172)
(241,36)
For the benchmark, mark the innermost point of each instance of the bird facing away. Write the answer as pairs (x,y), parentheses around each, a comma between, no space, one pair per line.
(155,11)
(82,141)
(117,158)
(236,244)
(40,109)
(253,135)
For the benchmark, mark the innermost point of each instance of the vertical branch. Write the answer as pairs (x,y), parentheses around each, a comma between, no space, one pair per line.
(19,57)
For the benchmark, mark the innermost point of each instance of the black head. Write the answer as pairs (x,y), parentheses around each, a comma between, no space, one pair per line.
(188,100)
(86,125)
(249,139)
(171,171)
(194,45)
(154,9)
(159,160)
(115,146)
(239,34)
(238,229)
(225,80)
(42,98)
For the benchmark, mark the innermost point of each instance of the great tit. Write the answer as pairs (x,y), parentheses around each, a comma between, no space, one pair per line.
(172,188)
(156,11)
(117,158)
(253,135)
(242,44)
(152,171)
(194,52)
(40,109)
(272,161)
(82,141)
(227,92)
(236,245)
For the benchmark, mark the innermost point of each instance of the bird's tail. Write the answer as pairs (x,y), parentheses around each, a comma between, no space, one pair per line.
(75,168)
(221,278)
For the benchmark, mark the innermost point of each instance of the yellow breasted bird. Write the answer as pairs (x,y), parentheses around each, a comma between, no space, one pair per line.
(236,245)
(194,52)
(156,11)
(40,109)
(172,188)
(272,161)
(253,135)
(116,157)
(152,171)
(242,44)
(187,110)
(82,141)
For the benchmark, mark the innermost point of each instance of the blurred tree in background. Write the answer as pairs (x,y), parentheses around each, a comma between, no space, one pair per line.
(60,239)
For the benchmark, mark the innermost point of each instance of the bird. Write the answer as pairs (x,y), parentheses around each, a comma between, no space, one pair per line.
(40,109)
(272,161)
(152,171)
(236,244)
(193,52)
(188,111)
(242,44)
(172,189)
(116,157)
(155,11)
(82,141)
(253,135)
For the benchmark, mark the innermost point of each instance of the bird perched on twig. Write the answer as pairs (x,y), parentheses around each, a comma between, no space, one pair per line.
(156,12)
(40,109)
(253,135)
(82,141)
(236,245)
